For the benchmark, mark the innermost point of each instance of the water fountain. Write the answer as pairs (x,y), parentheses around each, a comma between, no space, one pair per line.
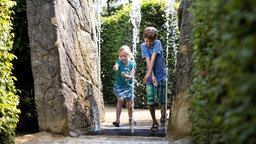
(95,111)
(170,28)
(135,17)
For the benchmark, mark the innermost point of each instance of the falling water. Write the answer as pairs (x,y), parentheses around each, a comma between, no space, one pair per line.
(170,28)
(95,111)
(135,18)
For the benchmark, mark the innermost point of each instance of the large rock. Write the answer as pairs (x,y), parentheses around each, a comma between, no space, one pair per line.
(179,124)
(65,65)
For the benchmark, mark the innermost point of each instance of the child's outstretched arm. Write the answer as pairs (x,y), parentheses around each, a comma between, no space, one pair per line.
(115,67)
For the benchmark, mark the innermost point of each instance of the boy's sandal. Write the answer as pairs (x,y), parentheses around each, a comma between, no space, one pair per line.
(154,127)
(132,122)
(116,124)
(162,120)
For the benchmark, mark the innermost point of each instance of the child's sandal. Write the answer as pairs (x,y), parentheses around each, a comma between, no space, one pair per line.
(116,124)
(154,127)
(162,120)
(163,117)
(132,122)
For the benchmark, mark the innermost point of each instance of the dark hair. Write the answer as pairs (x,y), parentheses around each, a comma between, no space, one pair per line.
(150,32)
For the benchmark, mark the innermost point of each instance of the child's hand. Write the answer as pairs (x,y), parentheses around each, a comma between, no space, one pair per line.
(126,76)
(115,67)
(154,81)
(146,78)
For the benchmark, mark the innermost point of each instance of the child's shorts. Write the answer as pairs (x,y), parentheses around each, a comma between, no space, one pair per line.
(153,92)
(124,92)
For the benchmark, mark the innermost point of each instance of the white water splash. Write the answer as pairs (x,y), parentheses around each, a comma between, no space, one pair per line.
(135,17)
(171,28)
(95,111)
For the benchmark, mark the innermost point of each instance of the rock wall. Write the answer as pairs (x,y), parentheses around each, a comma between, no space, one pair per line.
(65,65)
(179,124)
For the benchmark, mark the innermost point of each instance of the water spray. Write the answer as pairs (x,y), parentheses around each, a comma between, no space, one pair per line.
(95,111)
(135,17)
(170,16)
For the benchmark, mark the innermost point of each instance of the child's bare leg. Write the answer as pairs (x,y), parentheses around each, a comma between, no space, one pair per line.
(130,112)
(153,116)
(129,108)
(152,112)
(119,109)
(163,114)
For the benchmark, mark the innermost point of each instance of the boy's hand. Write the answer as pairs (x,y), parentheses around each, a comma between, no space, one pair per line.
(154,81)
(146,78)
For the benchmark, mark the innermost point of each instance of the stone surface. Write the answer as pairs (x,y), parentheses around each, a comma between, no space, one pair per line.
(64,59)
(120,135)
(179,124)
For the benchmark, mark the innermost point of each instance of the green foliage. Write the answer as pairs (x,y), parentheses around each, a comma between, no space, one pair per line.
(111,7)
(8,98)
(224,39)
(22,70)
(117,31)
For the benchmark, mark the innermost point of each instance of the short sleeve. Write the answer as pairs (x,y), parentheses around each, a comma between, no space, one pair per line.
(158,47)
(144,52)
(134,64)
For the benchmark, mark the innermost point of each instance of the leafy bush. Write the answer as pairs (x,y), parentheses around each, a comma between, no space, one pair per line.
(117,31)
(8,98)
(224,39)
(22,70)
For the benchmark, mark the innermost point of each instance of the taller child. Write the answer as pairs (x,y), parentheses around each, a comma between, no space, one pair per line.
(156,75)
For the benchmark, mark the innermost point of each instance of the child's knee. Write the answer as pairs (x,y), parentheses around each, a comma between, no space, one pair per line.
(121,100)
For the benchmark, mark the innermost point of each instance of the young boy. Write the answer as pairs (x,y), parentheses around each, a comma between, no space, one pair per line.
(156,75)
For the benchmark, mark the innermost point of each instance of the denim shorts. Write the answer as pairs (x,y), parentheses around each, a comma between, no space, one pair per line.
(123,92)
(158,92)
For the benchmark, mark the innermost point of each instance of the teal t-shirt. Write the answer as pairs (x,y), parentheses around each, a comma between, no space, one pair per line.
(127,69)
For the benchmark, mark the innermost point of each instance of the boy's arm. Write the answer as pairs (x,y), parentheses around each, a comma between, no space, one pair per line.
(150,65)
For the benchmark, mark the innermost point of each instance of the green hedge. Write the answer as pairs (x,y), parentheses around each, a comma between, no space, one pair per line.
(8,98)
(223,103)
(117,31)
(22,70)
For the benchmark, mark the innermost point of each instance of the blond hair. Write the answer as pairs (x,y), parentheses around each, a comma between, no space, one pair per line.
(125,49)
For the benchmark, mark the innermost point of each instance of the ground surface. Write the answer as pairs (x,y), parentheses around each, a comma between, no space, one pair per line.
(107,133)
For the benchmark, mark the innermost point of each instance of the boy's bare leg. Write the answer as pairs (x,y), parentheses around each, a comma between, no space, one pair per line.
(163,115)
(152,112)
(153,115)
